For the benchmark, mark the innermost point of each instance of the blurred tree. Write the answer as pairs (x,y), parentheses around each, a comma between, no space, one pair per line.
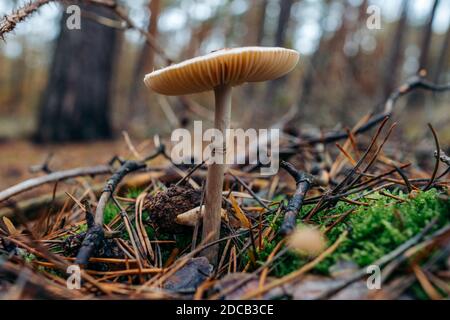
(17,77)
(395,56)
(443,59)
(145,64)
(283,21)
(261,22)
(416,100)
(199,34)
(76,102)
(279,41)
(255,21)
(426,39)
(19,67)
(317,70)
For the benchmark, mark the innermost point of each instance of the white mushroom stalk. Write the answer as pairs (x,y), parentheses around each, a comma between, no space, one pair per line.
(220,71)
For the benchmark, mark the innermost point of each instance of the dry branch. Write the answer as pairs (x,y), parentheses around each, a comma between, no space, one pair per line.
(95,233)
(303,181)
(9,22)
(53,177)
(415,82)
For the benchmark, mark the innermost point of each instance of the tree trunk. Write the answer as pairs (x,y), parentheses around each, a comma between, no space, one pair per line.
(283,21)
(394,63)
(261,22)
(255,21)
(76,103)
(280,39)
(416,99)
(442,62)
(426,40)
(145,64)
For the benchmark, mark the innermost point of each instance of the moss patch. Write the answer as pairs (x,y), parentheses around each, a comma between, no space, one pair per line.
(111,211)
(375,230)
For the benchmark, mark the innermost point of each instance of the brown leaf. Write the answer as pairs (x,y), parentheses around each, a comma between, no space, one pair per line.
(10,226)
(239,213)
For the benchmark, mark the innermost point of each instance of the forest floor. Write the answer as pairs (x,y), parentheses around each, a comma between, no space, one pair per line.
(385,212)
(336,207)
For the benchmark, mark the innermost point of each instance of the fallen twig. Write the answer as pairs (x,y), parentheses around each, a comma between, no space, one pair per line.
(95,232)
(437,162)
(303,181)
(53,177)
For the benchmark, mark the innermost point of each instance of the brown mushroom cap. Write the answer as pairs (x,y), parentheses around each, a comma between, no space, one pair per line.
(223,67)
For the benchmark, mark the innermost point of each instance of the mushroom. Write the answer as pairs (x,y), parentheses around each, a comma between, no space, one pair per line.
(220,71)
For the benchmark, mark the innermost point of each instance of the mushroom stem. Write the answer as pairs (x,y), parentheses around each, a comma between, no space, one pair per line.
(214,184)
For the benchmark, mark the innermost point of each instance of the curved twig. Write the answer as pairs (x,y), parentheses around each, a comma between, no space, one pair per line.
(95,232)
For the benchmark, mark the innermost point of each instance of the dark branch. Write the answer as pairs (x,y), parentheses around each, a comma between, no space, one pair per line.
(96,233)
(303,181)
(413,83)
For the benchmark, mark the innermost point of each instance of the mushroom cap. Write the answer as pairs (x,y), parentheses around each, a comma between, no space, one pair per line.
(223,67)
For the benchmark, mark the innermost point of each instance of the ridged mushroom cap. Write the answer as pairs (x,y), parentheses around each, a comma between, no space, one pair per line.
(226,66)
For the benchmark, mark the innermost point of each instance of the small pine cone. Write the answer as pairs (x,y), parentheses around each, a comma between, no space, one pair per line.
(166,205)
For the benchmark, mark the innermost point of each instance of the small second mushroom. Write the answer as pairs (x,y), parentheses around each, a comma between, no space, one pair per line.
(220,71)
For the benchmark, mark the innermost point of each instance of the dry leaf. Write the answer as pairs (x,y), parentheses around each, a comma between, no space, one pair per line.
(239,213)
(10,226)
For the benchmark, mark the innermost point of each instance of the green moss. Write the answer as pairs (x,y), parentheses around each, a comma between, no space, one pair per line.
(418,292)
(76,229)
(375,230)
(111,211)
(133,193)
(81,228)
(384,225)
(28,257)
(150,232)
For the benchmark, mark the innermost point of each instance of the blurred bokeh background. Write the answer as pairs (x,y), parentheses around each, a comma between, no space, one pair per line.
(75,91)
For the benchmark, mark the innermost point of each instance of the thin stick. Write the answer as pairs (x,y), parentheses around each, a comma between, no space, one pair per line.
(303,181)
(53,177)
(436,166)
(246,187)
